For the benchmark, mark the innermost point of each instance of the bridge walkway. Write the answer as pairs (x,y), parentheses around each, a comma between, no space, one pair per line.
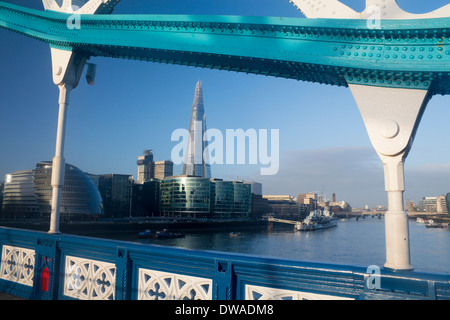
(5,296)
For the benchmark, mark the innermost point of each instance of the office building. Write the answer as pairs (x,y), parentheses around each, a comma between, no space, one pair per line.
(447,200)
(145,167)
(197,197)
(284,206)
(185,196)
(195,163)
(149,169)
(162,169)
(222,199)
(27,194)
(116,190)
(145,199)
(1,196)
(279,198)
(428,204)
(256,187)
(19,196)
(260,206)
(441,204)
(242,205)
(310,199)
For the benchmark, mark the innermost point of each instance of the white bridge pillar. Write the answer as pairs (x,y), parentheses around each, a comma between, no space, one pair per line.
(391,117)
(67,68)
(58,166)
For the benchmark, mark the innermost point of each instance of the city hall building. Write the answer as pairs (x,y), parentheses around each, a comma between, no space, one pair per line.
(28,194)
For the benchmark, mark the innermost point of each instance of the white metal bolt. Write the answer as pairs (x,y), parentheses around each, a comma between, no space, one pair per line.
(388,129)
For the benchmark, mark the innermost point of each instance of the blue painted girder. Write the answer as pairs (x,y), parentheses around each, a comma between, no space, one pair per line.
(403,53)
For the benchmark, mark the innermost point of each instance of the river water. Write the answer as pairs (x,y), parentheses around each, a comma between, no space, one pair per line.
(353,242)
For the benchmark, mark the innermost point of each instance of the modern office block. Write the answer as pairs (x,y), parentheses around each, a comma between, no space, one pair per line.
(222,199)
(197,197)
(242,201)
(116,190)
(185,196)
(145,199)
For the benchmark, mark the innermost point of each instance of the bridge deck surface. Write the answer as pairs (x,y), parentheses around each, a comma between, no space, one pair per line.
(5,296)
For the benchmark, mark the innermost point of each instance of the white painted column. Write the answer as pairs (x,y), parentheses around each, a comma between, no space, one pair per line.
(396,219)
(67,67)
(391,117)
(58,168)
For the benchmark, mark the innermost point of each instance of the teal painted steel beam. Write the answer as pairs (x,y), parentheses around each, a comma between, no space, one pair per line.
(402,54)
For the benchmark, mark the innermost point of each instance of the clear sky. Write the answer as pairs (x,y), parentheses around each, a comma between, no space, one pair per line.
(135,106)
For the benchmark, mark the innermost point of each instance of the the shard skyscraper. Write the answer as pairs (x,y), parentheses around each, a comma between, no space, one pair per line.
(196,164)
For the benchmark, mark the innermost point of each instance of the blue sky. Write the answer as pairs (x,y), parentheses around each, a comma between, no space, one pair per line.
(135,106)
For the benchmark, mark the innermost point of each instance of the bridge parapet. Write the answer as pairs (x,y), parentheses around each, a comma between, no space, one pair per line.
(43,266)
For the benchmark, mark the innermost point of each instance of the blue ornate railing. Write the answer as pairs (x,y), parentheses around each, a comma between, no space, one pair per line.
(38,265)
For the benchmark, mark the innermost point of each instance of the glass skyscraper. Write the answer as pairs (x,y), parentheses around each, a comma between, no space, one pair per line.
(195,163)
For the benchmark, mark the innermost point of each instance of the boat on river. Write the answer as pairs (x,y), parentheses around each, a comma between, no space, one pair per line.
(164,234)
(316,220)
(234,234)
(436,225)
(421,220)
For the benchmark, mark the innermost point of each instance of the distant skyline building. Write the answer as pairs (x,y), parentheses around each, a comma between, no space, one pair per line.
(441,204)
(149,169)
(162,169)
(284,206)
(145,167)
(309,198)
(195,163)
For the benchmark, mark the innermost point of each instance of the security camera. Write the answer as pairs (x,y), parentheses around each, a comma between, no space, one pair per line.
(90,73)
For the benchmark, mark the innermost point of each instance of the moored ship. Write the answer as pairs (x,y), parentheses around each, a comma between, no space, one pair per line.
(317,219)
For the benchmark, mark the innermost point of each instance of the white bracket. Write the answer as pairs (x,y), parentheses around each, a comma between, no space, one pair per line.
(67,67)
(391,117)
(88,7)
(382,9)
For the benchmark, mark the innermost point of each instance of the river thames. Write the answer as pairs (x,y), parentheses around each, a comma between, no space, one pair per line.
(352,242)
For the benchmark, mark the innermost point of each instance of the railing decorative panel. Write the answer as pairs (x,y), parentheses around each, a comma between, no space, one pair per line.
(157,285)
(266,293)
(87,279)
(18,265)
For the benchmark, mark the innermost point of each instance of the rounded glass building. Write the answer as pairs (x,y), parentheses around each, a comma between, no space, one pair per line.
(29,193)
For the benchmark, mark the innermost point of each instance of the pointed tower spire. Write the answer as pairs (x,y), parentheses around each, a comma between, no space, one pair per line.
(195,163)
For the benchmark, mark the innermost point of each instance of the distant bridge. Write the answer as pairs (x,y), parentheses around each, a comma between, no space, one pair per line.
(359,214)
